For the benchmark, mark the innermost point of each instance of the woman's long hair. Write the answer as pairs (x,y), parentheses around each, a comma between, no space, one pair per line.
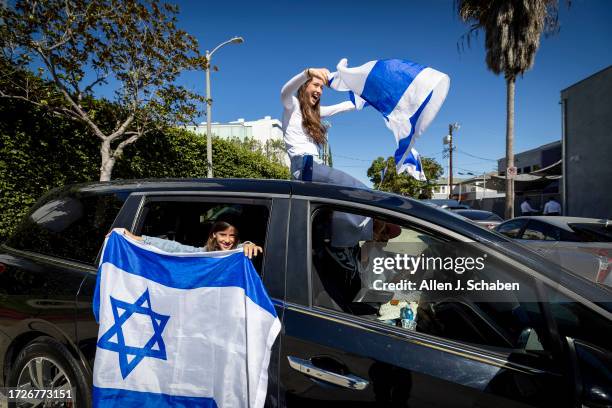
(211,243)
(311,117)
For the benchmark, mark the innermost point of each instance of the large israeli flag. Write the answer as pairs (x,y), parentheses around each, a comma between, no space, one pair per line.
(180,329)
(407,94)
(413,166)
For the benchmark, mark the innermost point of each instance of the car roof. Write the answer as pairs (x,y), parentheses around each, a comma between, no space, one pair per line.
(562,221)
(441,201)
(469,210)
(365,196)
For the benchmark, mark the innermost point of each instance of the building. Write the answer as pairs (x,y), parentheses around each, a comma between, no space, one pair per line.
(538,175)
(267,132)
(474,188)
(477,188)
(534,159)
(586,110)
(440,189)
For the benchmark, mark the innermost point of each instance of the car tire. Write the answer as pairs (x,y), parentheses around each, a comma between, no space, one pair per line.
(47,359)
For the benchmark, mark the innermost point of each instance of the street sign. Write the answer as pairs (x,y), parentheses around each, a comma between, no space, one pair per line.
(511,172)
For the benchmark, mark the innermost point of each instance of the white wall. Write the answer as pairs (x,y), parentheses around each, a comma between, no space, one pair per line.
(261,130)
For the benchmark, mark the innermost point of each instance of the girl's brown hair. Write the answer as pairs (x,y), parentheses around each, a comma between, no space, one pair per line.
(311,116)
(211,243)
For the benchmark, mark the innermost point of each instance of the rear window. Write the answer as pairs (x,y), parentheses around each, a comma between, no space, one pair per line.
(188,220)
(592,232)
(68,226)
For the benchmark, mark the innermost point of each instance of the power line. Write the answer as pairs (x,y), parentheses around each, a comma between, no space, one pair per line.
(371,160)
(474,156)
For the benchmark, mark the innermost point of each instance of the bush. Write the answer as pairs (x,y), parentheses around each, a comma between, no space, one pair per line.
(39,152)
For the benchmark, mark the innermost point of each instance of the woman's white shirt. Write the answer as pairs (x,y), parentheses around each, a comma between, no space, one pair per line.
(297,141)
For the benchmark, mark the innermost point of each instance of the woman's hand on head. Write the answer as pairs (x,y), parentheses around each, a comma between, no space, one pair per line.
(321,73)
(251,249)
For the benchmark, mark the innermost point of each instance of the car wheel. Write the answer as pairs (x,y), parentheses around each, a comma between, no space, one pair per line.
(46,364)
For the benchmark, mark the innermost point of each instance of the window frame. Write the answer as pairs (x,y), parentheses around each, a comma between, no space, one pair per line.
(204,197)
(79,195)
(541,283)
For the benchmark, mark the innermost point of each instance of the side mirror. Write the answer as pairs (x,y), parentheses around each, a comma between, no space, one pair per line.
(592,373)
(529,340)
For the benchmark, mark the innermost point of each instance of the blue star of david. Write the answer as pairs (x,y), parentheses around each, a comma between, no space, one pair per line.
(141,306)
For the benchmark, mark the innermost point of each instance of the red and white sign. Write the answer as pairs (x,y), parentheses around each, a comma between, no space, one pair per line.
(511,172)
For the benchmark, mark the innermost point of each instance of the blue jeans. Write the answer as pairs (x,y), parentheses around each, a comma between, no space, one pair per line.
(347,229)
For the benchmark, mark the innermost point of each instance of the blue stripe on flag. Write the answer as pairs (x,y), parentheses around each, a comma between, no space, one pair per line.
(185,272)
(127,398)
(404,143)
(387,82)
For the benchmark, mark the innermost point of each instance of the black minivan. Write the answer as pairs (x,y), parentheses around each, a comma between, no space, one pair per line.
(547,345)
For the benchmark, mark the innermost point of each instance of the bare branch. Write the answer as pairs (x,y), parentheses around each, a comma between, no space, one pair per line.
(126,123)
(119,149)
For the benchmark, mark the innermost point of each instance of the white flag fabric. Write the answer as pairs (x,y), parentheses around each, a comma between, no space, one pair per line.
(407,94)
(413,166)
(180,329)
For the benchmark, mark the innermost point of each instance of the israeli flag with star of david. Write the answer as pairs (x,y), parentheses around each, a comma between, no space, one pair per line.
(180,329)
(407,94)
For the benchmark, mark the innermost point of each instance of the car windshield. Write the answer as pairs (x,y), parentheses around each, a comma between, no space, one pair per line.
(479,215)
(593,232)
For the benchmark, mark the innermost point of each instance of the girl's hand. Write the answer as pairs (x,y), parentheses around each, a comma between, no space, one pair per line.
(118,230)
(321,73)
(251,249)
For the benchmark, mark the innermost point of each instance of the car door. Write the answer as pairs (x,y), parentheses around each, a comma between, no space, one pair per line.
(336,351)
(42,268)
(186,218)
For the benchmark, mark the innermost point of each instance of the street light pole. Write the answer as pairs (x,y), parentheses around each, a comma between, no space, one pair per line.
(234,40)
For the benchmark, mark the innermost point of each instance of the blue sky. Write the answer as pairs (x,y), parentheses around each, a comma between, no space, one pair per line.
(282,38)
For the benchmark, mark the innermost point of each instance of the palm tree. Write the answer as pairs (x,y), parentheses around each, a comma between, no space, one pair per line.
(512,37)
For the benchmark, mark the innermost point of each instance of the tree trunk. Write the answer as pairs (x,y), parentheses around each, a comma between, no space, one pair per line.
(510,82)
(108,161)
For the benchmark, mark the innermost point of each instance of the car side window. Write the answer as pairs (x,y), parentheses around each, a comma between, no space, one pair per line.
(579,322)
(511,228)
(537,230)
(68,226)
(188,220)
(366,280)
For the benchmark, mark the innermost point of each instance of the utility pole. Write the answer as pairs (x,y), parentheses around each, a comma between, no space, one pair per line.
(484,185)
(449,141)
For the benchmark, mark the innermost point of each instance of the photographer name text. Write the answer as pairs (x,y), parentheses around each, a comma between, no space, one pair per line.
(434,285)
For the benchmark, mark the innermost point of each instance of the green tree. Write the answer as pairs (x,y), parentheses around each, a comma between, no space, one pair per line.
(40,151)
(79,45)
(404,184)
(512,37)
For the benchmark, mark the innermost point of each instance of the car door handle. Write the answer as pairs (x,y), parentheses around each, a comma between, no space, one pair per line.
(347,381)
